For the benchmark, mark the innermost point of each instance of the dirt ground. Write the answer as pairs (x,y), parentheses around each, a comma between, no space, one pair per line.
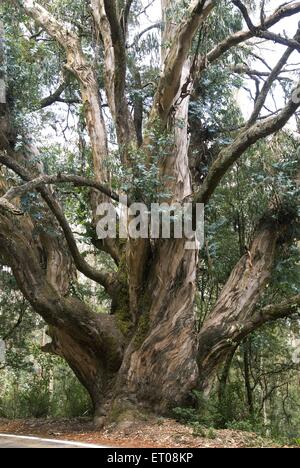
(155,433)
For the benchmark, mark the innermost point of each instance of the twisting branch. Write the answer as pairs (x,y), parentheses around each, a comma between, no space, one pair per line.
(276,311)
(246,138)
(268,84)
(56,97)
(260,31)
(270,36)
(5,205)
(252,132)
(83,70)
(16,192)
(239,37)
(105,279)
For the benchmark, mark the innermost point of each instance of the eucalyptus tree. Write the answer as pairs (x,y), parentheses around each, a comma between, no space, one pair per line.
(148,352)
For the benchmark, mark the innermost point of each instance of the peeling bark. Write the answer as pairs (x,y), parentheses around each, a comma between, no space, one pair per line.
(169,83)
(91,344)
(235,316)
(114,41)
(77,65)
(159,367)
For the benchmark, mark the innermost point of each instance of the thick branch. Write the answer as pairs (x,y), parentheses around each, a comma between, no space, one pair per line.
(259,31)
(105,279)
(5,205)
(228,322)
(242,36)
(78,65)
(276,311)
(117,38)
(113,36)
(270,36)
(56,97)
(246,138)
(170,80)
(78,181)
(245,14)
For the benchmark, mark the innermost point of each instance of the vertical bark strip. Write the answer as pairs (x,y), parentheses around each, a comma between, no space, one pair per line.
(114,41)
(78,65)
(182,38)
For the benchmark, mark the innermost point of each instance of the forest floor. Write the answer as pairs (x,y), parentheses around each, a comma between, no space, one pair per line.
(154,433)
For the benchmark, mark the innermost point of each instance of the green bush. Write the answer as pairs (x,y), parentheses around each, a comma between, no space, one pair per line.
(246,426)
(203,413)
(46,389)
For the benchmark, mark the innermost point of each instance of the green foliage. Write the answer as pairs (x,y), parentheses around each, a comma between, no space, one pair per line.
(202,417)
(142,179)
(186,415)
(204,412)
(32,383)
(49,390)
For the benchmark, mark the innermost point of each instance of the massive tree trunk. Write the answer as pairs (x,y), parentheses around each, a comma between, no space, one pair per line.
(160,367)
(148,352)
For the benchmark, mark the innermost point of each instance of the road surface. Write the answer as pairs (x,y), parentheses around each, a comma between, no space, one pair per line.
(12,441)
